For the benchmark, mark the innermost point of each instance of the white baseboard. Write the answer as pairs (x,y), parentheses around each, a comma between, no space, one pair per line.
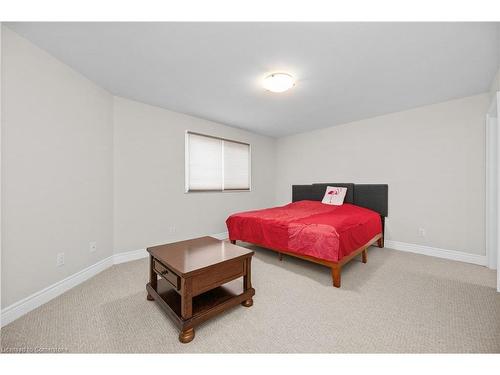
(129,256)
(437,252)
(24,306)
(220,236)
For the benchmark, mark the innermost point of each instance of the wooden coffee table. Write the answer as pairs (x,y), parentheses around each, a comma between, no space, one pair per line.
(199,279)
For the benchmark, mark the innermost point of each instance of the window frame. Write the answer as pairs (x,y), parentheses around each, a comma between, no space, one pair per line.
(223,190)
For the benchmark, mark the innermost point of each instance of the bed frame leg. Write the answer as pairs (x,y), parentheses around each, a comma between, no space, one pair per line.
(336,276)
(380,242)
(233,242)
(280,256)
(364,256)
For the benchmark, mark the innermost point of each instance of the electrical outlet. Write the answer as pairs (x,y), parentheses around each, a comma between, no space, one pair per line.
(172,229)
(60,259)
(92,246)
(421,232)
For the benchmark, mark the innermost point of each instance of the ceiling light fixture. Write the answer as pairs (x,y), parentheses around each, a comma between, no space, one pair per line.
(278,82)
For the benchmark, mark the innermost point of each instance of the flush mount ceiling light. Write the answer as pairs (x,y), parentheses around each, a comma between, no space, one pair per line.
(278,82)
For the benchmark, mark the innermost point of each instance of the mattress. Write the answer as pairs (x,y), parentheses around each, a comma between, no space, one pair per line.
(307,228)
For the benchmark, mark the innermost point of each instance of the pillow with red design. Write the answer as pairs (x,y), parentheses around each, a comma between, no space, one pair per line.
(334,195)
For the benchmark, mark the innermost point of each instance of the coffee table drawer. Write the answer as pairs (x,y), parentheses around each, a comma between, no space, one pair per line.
(217,276)
(167,274)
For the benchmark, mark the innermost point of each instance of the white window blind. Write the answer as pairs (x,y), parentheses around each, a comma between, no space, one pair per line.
(205,163)
(236,166)
(216,164)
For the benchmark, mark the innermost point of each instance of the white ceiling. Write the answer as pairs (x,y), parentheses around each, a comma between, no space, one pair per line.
(344,71)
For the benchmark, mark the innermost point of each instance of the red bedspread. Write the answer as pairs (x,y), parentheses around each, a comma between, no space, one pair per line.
(308,228)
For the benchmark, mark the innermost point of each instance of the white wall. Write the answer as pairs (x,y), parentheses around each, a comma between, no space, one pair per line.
(432,157)
(495,85)
(60,135)
(79,165)
(56,169)
(1,142)
(150,206)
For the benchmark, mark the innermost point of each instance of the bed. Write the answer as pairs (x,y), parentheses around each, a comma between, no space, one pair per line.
(317,232)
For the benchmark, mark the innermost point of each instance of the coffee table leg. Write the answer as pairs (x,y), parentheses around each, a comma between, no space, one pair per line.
(153,279)
(186,299)
(247,281)
(186,335)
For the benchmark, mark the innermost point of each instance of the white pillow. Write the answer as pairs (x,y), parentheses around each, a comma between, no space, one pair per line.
(334,195)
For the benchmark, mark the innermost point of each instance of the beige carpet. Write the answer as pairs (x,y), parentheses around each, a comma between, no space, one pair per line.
(398,302)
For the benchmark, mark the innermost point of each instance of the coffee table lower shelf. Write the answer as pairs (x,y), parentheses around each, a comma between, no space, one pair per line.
(205,305)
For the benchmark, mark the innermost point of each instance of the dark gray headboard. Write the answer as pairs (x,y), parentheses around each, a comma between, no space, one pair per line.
(315,192)
(372,196)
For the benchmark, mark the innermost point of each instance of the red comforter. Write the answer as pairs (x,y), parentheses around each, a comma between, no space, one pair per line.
(308,228)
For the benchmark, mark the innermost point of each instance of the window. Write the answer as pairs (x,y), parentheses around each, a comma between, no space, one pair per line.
(216,164)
